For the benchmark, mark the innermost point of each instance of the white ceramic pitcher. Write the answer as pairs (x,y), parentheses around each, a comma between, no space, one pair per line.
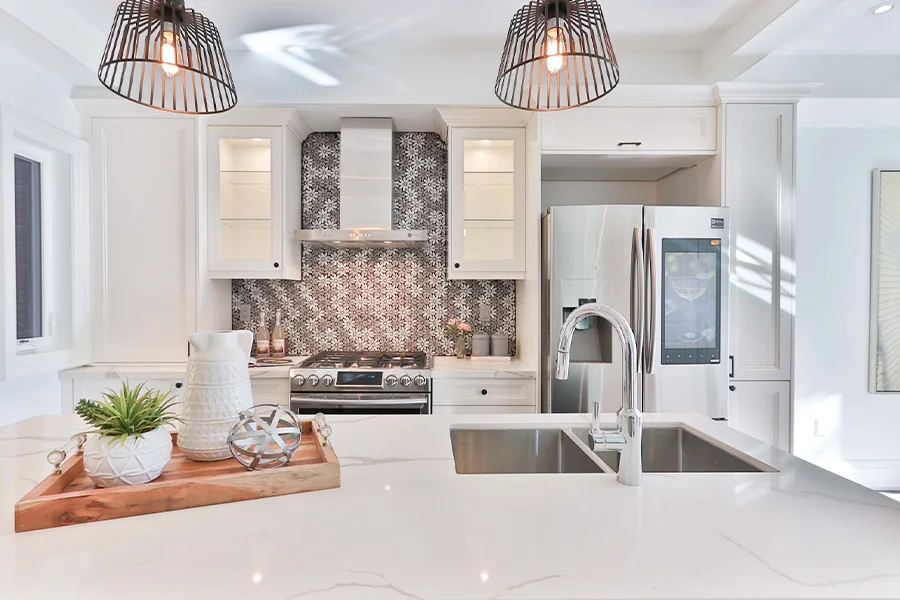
(218,388)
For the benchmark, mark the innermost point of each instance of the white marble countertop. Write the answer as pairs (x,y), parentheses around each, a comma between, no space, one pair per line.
(449,367)
(405,525)
(445,367)
(137,372)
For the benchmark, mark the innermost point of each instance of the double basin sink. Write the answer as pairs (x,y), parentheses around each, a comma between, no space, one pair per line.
(513,451)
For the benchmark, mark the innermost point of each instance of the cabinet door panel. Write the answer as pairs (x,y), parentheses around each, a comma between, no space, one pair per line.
(762,409)
(144,242)
(246,224)
(487,203)
(759,154)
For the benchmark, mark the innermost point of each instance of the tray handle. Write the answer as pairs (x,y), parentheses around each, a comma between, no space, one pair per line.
(58,457)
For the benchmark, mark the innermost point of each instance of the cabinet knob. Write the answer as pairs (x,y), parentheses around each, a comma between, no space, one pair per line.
(732,388)
(179,385)
(456,266)
(276,265)
(484,392)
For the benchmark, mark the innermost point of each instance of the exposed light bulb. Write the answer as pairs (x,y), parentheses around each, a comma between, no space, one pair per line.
(555,48)
(168,56)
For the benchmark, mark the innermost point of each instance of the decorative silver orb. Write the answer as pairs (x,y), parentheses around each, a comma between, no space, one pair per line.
(265,436)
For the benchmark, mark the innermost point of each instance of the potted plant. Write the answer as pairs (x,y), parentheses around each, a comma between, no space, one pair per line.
(457,331)
(129,443)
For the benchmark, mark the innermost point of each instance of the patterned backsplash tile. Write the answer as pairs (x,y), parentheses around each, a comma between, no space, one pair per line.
(377,299)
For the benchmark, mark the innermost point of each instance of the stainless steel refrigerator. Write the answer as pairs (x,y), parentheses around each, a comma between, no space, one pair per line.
(666,269)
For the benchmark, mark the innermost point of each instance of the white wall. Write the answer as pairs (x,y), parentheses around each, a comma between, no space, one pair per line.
(574,193)
(43,95)
(837,423)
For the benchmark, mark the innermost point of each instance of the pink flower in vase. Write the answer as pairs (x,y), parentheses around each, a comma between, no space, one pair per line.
(465,327)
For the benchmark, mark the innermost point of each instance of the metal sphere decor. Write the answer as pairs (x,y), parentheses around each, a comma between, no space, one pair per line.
(558,55)
(265,436)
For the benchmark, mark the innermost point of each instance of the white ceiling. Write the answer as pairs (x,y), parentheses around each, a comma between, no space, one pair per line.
(445,52)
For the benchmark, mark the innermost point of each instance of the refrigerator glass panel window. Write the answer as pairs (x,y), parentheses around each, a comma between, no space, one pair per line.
(691,297)
(245,198)
(488,199)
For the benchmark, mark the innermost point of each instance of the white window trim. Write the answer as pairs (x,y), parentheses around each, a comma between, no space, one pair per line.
(64,246)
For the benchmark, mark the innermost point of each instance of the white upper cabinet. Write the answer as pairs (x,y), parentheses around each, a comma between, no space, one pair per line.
(251,208)
(487,203)
(619,129)
(759,189)
(144,221)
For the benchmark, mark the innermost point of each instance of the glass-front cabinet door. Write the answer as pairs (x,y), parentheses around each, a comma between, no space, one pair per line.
(487,204)
(246,199)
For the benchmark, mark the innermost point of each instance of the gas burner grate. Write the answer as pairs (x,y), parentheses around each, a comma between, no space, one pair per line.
(366,360)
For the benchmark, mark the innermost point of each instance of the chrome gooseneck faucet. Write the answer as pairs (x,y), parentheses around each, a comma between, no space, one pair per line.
(626,437)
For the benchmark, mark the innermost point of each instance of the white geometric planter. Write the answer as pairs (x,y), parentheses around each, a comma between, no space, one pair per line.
(110,462)
(218,389)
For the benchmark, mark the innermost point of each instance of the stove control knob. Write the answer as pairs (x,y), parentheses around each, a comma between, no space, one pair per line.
(420,381)
(327,380)
(405,381)
(390,380)
(313,380)
(299,380)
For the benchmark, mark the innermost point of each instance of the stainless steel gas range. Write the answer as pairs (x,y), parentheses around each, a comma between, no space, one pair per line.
(355,383)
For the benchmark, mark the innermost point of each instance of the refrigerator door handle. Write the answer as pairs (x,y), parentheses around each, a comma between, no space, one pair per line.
(638,311)
(650,338)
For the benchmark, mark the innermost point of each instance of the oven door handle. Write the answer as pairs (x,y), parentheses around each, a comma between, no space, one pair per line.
(419,402)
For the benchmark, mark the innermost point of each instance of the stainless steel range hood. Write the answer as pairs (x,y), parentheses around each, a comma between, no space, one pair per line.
(367,186)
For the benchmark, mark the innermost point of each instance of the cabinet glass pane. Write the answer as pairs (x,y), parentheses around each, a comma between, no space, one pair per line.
(245,198)
(488,200)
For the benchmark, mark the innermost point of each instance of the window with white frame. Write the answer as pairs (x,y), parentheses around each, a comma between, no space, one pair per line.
(44,245)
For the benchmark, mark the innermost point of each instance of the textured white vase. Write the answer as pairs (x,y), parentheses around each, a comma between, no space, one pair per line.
(218,389)
(109,461)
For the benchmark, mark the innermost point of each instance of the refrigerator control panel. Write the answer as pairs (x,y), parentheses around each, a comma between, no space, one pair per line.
(691,301)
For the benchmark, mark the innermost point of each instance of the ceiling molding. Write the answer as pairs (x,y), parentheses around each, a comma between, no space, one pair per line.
(478,116)
(762,93)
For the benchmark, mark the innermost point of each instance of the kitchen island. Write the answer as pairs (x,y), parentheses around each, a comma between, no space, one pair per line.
(404,524)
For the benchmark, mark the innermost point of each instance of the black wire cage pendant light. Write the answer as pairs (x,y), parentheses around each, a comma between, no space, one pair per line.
(165,56)
(558,55)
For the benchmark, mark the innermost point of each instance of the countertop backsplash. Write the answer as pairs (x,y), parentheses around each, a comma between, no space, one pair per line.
(377,299)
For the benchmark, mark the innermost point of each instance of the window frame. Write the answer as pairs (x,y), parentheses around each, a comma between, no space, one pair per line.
(64,341)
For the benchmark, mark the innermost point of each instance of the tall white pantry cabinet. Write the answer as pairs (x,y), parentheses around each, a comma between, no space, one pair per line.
(758,184)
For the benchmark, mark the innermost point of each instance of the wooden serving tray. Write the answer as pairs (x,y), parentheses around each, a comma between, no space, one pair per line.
(71,498)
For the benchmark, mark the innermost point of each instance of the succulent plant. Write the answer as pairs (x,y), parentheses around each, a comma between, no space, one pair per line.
(130,411)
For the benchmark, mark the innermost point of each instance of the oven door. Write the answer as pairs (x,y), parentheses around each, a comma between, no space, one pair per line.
(360,404)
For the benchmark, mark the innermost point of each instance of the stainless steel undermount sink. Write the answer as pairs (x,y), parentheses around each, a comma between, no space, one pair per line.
(677,450)
(516,451)
(508,451)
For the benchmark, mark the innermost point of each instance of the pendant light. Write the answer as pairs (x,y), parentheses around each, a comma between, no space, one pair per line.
(558,55)
(165,56)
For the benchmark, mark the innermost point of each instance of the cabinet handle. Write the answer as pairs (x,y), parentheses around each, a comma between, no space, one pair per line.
(635,144)
(179,385)
(484,392)
(731,360)
(456,266)
(276,265)
(732,388)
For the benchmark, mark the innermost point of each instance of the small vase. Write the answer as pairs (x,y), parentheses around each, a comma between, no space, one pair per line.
(461,347)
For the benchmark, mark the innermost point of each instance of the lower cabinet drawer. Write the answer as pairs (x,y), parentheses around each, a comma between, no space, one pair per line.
(484,392)
(93,388)
(482,410)
(271,391)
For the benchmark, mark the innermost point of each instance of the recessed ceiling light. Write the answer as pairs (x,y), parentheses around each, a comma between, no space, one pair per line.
(882,8)
(257,139)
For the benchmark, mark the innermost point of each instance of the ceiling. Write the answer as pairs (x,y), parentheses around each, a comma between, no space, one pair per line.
(444,52)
